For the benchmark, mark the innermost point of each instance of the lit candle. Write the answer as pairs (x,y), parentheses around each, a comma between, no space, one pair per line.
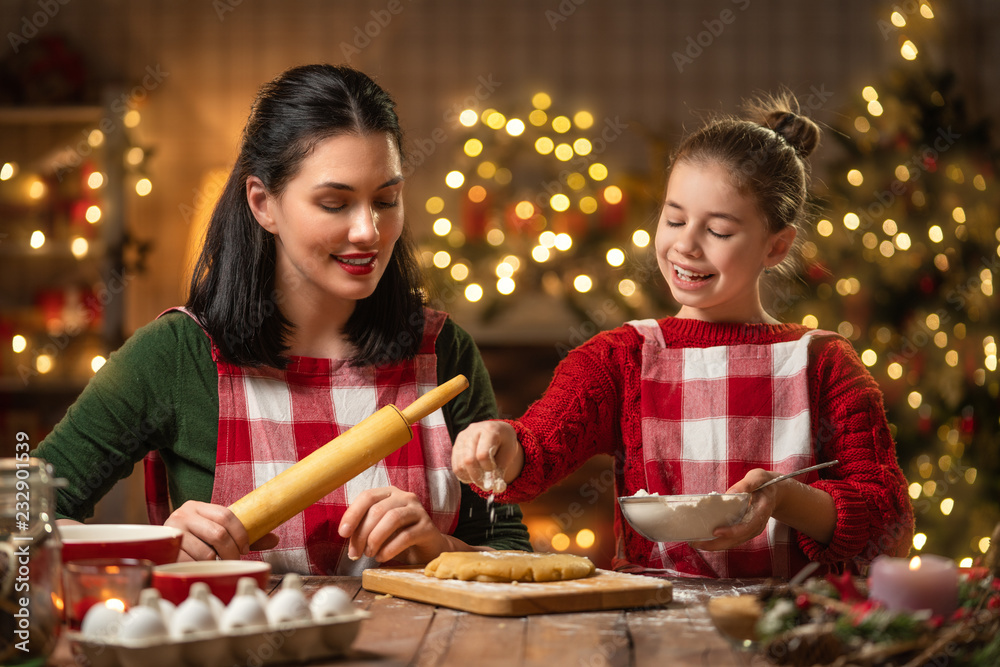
(923,582)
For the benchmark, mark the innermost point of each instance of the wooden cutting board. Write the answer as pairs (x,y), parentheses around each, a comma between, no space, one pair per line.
(601,590)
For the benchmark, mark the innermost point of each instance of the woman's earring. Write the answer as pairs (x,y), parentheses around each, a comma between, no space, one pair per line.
(767,271)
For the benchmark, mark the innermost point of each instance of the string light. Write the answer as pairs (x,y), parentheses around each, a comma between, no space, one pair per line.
(37,239)
(7,171)
(442,259)
(78,247)
(585,538)
(454,179)
(583,120)
(19,343)
(459,271)
(908,50)
(597,171)
(473,147)
(97,362)
(131,119)
(582,283)
(615,257)
(626,287)
(640,238)
(561,124)
(93,214)
(441,226)
(563,241)
(468,118)
(515,127)
(474,292)
(544,145)
(506,285)
(564,152)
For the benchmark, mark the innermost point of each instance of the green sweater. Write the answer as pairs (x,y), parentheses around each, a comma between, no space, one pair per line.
(160,392)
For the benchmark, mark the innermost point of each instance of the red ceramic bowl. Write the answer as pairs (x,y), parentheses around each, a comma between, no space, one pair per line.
(174,580)
(159,544)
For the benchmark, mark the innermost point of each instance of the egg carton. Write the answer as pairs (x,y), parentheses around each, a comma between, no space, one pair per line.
(302,641)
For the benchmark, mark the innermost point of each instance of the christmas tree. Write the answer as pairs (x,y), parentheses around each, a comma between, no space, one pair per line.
(903,264)
(532,207)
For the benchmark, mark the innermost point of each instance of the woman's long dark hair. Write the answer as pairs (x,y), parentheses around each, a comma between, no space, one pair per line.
(232,291)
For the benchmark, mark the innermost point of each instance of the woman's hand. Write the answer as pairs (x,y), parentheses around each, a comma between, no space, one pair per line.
(762,507)
(391,524)
(487,447)
(212,532)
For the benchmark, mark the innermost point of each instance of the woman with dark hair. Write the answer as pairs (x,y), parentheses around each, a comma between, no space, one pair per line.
(305,316)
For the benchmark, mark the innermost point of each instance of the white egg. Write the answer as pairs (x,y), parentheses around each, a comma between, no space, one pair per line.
(102,622)
(195,614)
(143,623)
(244,611)
(289,604)
(330,601)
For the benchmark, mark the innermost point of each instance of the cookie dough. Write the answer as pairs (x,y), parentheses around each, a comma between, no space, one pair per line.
(508,566)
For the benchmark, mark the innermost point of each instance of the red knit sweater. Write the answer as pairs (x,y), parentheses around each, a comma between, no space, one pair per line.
(592,407)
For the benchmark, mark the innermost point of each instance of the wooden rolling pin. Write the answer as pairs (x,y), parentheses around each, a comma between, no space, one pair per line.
(349,454)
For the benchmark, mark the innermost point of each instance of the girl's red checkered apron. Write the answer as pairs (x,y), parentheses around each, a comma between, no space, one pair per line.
(709,416)
(269,419)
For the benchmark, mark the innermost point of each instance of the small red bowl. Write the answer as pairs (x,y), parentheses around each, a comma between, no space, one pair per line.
(174,580)
(159,544)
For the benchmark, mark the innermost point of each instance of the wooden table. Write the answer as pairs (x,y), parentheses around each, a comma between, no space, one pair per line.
(401,632)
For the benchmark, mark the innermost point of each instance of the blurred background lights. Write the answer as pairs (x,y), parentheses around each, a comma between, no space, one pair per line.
(561,124)
(597,171)
(613,194)
(626,287)
(582,146)
(442,259)
(37,239)
(908,50)
(515,127)
(874,108)
(496,120)
(869,93)
(95,180)
(504,270)
(585,538)
(547,239)
(505,285)
(544,145)
(854,177)
(459,271)
(541,101)
(79,246)
(894,370)
(947,505)
(132,118)
(473,292)
(435,205)
(441,226)
(524,209)
(615,257)
(560,541)
(851,220)
(810,321)
(583,120)
(588,204)
(582,283)
(539,253)
(564,152)
(485,170)
(640,238)
(468,118)
(95,138)
(958,214)
(563,241)
(7,171)
(19,343)
(919,540)
(36,190)
(495,237)
(93,214)
(824,227)
(537,117)
(559,202)
(477,193)
(134,156)
(454,179)
(97,362)
(143,187)
(935,234)
(984,544)
(473,147)
(897,19)
(44,363)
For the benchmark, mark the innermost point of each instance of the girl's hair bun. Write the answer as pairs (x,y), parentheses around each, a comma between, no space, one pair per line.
(801,133)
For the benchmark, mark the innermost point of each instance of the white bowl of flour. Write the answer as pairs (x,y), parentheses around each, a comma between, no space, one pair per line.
(682,518)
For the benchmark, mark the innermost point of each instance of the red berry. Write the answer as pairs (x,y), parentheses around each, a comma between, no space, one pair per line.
(802,601)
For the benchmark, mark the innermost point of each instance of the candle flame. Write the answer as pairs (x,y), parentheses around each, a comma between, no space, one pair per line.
(115,603)
(915,563)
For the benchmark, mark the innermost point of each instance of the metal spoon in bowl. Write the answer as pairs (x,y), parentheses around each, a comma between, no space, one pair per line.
(797,472)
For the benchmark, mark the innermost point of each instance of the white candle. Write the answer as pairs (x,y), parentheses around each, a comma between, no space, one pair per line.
(922,582)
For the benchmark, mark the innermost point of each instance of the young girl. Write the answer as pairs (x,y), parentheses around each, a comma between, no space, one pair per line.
(305,316)
(721,396)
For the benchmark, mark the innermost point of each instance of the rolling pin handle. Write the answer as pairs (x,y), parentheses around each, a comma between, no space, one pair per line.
(434,399)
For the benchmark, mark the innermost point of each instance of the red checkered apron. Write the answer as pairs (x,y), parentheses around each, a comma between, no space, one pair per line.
(269,419)
(709,416)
